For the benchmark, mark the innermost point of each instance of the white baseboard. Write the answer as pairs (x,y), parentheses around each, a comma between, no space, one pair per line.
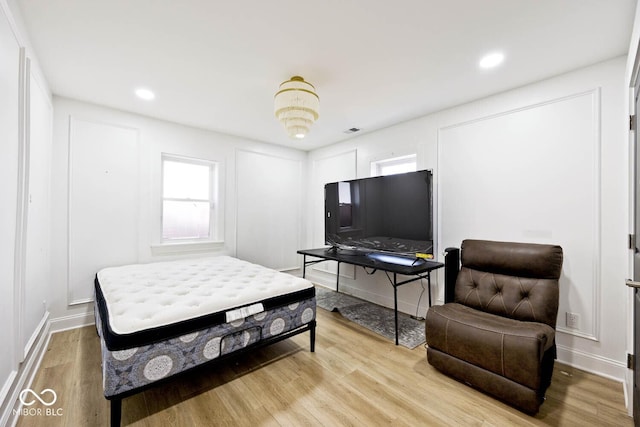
(5,390)
(34,337)
(71,322)
(598,365)
(10,408)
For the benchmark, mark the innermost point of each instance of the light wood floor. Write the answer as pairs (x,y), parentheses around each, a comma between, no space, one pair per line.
(354,378)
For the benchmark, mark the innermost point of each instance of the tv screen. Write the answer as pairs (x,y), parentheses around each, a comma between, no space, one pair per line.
(390,213)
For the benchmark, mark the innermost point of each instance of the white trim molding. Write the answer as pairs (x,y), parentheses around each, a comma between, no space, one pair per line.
(597,365)
(23,378)
(590,258)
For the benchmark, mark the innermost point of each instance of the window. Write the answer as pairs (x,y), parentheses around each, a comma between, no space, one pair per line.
(189,197)
(394,165)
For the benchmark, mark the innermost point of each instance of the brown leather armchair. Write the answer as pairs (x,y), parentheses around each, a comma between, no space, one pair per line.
(499,333)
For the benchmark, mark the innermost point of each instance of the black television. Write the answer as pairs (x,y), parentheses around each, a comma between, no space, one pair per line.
(392,213)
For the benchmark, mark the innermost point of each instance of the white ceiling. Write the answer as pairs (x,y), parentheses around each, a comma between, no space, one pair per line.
(217,64)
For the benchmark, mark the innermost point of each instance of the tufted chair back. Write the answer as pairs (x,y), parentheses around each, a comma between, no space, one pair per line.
(515,280)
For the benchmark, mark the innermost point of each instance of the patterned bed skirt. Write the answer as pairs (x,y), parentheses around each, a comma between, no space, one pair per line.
(133,368)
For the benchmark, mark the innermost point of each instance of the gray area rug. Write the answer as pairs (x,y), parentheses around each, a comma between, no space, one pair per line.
(373,317)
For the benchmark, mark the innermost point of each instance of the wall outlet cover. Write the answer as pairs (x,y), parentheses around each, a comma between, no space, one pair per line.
(572,320)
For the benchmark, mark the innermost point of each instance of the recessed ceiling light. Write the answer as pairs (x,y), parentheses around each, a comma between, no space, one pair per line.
(145,94)
(492,60)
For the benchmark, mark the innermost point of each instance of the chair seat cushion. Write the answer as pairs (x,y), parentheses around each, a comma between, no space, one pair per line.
(507,347)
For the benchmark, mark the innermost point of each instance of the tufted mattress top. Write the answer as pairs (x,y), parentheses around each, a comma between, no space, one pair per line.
(144,303)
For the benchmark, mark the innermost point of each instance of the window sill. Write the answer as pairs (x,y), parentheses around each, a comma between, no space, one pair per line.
(186,248)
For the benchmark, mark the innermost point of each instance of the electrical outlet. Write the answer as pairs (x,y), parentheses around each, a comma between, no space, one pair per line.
(573,320)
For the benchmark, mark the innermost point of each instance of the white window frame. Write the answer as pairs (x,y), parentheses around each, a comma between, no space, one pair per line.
(194,243)
(378,165)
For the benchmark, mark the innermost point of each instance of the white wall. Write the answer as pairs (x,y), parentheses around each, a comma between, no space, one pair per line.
(505,177)
(269,209)
(96,225)
(103,183)
(25,145)
(37,264)
(599,344)
(9,144)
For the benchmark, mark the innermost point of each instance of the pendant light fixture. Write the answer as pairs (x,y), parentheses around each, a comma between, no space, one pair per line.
(296,106)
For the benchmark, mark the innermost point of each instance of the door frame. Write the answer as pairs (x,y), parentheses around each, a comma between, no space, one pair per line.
(634,81)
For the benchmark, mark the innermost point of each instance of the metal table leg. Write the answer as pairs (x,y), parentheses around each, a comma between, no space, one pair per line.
(304,266)
(429,285)
(395,303)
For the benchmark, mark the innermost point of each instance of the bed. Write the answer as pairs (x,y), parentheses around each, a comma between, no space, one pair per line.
(159,319)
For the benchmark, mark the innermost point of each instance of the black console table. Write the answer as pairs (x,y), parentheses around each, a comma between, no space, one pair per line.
(419,269)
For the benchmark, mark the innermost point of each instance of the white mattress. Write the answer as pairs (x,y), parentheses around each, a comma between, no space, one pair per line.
(145,296)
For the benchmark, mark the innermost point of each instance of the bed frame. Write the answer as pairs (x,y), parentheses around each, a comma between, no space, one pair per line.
(129,369)
(116,401)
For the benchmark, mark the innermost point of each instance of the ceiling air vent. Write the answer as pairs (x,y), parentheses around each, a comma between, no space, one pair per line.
(352,130)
